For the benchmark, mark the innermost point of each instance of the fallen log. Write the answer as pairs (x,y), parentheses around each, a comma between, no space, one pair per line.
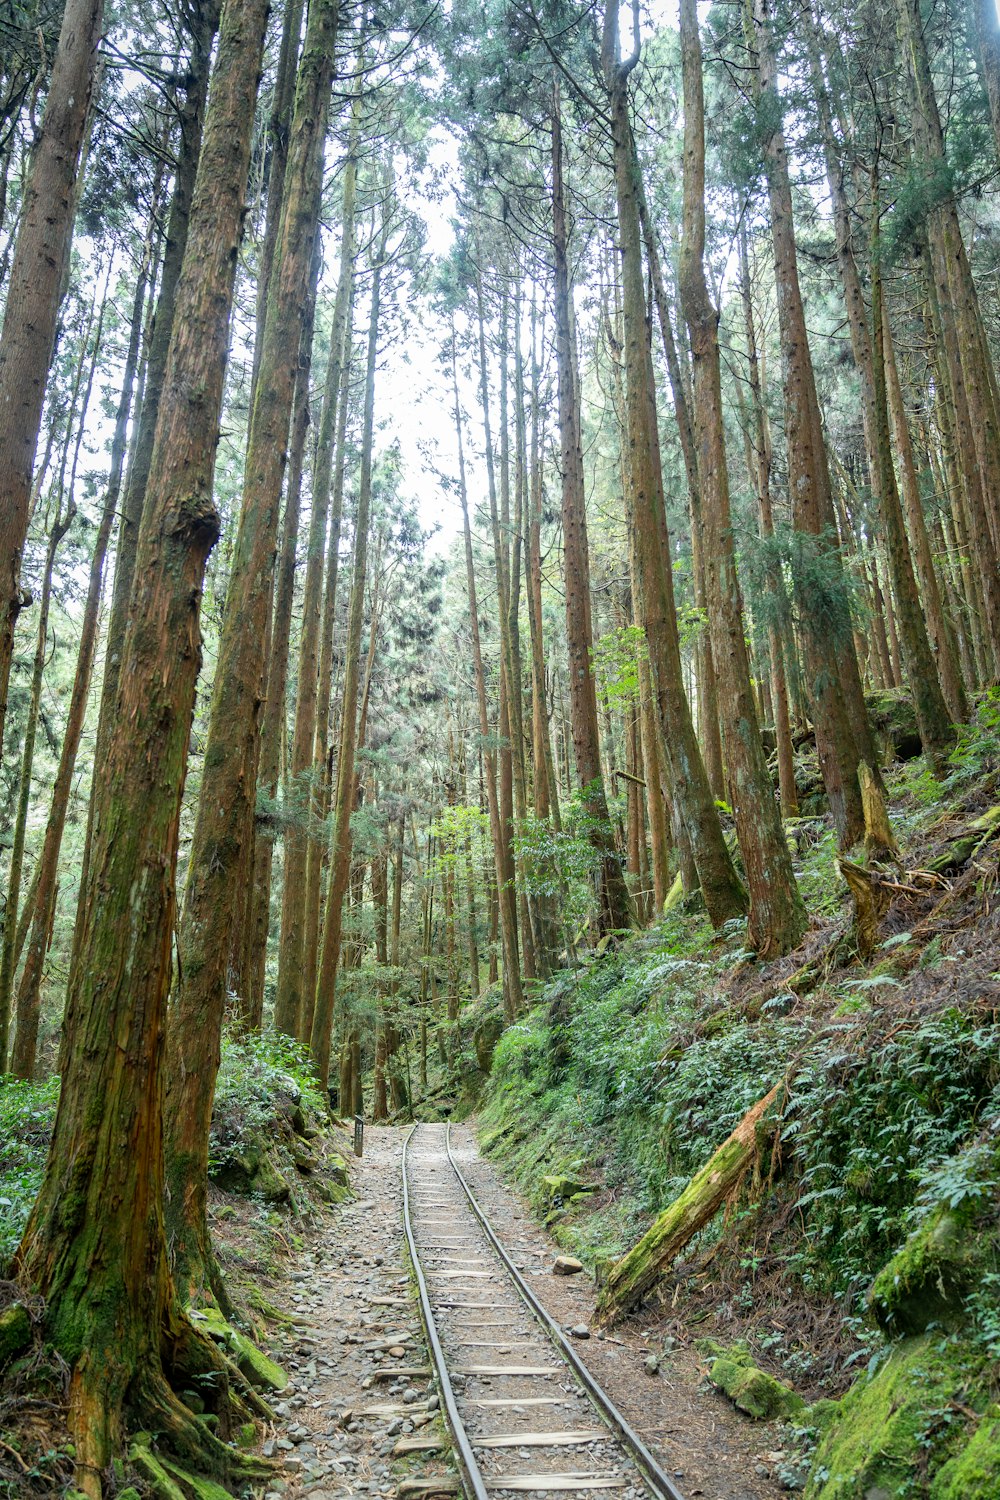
(631,1279)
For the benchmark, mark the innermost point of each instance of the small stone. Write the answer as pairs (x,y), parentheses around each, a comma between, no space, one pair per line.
(268,1450)
(651,1364)
(394,1428)
(293,1463)
(285,1445)
(397,1351)
(432,1401)
(410,1395)
(567,1265)
(580,1331)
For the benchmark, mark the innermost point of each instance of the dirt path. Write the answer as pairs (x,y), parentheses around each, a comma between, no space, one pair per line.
(357,1333)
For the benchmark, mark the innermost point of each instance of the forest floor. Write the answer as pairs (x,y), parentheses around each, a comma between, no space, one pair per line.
(349,1293)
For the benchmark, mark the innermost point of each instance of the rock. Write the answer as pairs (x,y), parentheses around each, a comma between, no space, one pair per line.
(567,1265)
(410,1395)
(580,1331)
(651,1364)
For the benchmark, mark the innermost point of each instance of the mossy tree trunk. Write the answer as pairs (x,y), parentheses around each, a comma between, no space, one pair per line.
(203,24)
(95,1246)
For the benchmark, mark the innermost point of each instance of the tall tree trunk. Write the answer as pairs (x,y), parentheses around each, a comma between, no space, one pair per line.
(843,736)
(9,955)
(723,895)
(513,997)
(933,721)
(250,981)
(204,23)
(778,623)
(34,294)
(945,647)
(95,1246)
(340,845)
(293,1002)
(777,916)
(43,904)
(615,908)
(227,797)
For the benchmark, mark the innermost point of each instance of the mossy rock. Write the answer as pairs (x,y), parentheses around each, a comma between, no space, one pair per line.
(760,1395)
(235,1171)
(563,1186)
(332,1192)
(975,1471)
(924,1283)
(894,720)
(15,1332)
(337,1169)
(257,1368)
(878,1439)
(269,1183)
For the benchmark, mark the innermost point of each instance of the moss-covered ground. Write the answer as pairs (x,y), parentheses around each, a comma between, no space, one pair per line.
(860,1257)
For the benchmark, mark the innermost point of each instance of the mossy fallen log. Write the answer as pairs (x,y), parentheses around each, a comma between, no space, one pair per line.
(631,1279)
(960,849)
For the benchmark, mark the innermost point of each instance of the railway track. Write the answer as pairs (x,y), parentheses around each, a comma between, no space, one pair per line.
(524,1412)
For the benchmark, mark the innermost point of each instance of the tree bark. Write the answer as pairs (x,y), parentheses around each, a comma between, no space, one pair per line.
(95,1246)
(293,1002)
(632,1278)
(843,736)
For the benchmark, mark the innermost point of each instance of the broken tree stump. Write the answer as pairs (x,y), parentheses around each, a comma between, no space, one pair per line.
(631,1279)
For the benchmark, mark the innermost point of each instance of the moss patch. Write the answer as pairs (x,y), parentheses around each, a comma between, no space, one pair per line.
(976,1470)
(897,1423)
(15,1332)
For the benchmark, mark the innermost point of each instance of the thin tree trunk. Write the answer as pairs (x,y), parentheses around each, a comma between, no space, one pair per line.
(43,905)
(843,738)
(615,910)
(34,294)
(340,847)
(512,991)
(293,1002)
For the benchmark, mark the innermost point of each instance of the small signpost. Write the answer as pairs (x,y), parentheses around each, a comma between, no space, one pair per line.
(359,1135)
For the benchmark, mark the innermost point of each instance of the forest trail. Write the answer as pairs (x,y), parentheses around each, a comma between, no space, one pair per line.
(350,1294)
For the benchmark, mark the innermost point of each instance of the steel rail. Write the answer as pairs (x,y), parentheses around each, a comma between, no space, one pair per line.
(467,1459)
(656,1478)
